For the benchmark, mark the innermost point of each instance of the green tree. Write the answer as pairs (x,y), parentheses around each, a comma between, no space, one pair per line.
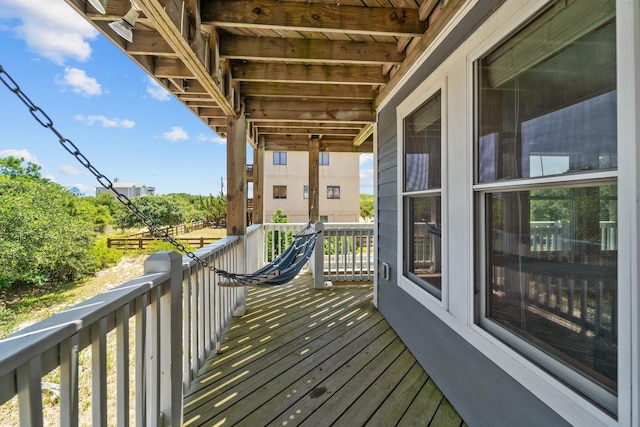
(12,167)
(279,217)
(366,206)
(162,210)
(40,240)
(214,208)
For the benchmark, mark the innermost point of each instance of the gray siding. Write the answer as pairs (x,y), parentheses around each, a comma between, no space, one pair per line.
(481,392)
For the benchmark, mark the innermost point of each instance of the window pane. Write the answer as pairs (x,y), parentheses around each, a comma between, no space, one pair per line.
(323,159)
(422,146)
(279,191)
(423,258)
(552,273)
(305,192)
(279,157)
(333,192)
(547,97)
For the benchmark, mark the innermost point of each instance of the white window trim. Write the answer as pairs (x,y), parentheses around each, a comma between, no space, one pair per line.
(420,95)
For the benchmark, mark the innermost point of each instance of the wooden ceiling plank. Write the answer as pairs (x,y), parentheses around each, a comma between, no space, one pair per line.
(288,15)
(266,130)
(316,110)
(301,90)
(171,68)
(309,51)
(299,73)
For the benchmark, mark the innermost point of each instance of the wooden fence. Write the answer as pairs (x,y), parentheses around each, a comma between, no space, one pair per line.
(140,243)
(174,230)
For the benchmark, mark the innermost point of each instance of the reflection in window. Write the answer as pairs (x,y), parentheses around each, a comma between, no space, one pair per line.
(545,112)
(552,273)
(547,108)
(422,145)
(423,250)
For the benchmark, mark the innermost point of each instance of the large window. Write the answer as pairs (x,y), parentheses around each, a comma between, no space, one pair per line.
(547,197)
(279,157)
(279,191)
(422,196)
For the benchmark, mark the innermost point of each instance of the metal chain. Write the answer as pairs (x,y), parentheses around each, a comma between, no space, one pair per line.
(41,117)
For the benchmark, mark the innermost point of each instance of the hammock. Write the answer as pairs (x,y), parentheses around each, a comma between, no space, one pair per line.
(282,269)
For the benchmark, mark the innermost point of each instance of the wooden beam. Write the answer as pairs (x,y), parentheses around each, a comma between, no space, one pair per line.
(299,73)
(309,50)
(314,180)
(364,135)
(211,112)
(301,90)
(298,16)
(343,111)
(171,68)
(236,176)
(165,21)
(427,7)
(149,43)
(355,127)
(307,131)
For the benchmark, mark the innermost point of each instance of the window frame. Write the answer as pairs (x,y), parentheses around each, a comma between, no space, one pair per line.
(277,192)
(422,94)
(331,194)
(279,158)
(480,190)
(323,158)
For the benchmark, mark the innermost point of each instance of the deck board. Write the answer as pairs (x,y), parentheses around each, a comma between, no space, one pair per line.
(302,356)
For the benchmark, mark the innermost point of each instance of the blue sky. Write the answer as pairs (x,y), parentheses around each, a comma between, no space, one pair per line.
(128,126)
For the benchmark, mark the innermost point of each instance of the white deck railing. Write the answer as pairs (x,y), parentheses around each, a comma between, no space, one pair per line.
(166,322)
(552,236)
(348,248)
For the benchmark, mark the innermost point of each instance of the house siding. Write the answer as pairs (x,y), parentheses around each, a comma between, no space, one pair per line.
(483,393)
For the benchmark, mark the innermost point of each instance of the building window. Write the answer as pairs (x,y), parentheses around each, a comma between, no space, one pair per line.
(422,195)
(305,192)
(279,157)
(323,159)
(324,218)
(546,158)
(279,191)
(333,192)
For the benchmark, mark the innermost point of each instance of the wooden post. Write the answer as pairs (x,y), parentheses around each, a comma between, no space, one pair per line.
(236,175)
(314,179)
(258,183)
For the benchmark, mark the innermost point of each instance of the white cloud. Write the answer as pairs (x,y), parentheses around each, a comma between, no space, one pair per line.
(200,138)
(25,154)
(80,83)
(106,122)
(68,170)
(50,28)
(156,91)
(366,177)
(175,134)
(365,157)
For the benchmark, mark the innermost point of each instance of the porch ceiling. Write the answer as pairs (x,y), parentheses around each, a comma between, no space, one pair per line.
(295,68)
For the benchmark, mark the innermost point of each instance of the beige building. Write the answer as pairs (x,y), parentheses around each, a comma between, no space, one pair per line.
(286,186)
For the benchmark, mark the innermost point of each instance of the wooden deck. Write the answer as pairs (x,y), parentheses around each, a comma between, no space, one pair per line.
(310,357)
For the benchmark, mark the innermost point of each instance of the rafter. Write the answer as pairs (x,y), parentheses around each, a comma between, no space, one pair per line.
(308,51)
(342,111)
(301,90)
(298,16)
(299,73)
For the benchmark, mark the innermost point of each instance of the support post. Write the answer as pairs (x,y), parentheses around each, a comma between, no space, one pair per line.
(318,258)
(258,183)
(236,175)
(170,335)
(314,179)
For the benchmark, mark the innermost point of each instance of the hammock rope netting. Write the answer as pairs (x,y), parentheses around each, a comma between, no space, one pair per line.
(281,269)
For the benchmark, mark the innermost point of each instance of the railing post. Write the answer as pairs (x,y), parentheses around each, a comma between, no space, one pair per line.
(170,335)
(318,258)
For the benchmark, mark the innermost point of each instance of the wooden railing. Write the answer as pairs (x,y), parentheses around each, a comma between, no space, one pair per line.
(348,248)
(174,230)
(164,323)
(141,243)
